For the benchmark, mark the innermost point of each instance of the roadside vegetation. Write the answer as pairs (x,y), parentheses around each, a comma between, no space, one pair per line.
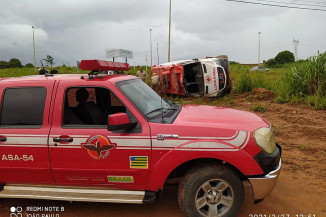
(302,82)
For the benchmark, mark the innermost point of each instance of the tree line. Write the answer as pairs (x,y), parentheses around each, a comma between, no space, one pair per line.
(16,63)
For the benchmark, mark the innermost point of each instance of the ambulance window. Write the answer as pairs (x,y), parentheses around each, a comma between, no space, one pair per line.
(23,106)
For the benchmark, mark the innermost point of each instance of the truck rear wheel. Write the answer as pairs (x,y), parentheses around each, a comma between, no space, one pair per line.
(213,190)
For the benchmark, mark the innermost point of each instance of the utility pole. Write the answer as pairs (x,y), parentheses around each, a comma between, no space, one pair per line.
(158,57)
(296,45)
(169,33)
(34,50)
(259,48)
(150,41)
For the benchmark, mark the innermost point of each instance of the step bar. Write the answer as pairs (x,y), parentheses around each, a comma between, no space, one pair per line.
(73,193)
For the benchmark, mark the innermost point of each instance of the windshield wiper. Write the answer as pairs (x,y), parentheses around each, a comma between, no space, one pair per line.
(155,110)
(164,109)
(171,109)
(169,102)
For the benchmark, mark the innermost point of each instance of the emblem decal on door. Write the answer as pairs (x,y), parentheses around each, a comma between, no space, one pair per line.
(121,179)
(138,162)
(98,147)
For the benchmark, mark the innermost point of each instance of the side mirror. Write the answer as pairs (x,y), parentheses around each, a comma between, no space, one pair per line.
(120,121)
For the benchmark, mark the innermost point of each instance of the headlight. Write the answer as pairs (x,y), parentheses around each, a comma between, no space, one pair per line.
(265,139)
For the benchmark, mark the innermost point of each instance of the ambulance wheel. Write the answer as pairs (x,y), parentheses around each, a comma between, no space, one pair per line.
(213,190)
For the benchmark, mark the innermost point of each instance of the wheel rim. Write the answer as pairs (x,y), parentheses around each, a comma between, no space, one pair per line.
(214,198)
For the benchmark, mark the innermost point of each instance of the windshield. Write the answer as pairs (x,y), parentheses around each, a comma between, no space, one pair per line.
(143,97)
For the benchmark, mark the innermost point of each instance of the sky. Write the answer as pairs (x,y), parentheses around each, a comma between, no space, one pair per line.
(72,30)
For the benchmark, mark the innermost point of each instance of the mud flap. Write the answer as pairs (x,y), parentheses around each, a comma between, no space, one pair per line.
(150,197)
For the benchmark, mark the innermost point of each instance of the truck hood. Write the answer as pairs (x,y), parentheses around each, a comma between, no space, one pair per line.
(219,117)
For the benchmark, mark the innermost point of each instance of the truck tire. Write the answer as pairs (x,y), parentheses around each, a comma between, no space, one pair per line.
(212,190)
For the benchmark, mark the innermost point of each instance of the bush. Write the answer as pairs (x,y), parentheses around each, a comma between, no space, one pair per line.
(29,65)
(15,63)
(245,83)
(5,65)
(306,81)
(309,78)
(318,102)
(284,57)
(271,63)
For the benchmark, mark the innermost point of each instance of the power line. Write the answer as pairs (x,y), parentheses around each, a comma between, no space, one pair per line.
(305,1)
(294,3)
(277,5)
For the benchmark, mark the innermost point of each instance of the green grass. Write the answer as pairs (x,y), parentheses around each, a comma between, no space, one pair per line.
(17,72)
(259,108)
(303,82)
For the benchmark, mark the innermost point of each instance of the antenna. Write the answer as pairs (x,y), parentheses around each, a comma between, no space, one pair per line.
(158,57)
(159,73)
(162,110)
(296,45)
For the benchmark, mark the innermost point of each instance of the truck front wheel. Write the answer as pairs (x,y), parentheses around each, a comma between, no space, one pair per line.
(212,190)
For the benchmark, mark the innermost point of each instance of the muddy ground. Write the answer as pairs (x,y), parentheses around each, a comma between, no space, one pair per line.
(301,189)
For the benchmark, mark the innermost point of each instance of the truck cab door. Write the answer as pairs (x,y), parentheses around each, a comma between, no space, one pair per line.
(24,131)
(83,151)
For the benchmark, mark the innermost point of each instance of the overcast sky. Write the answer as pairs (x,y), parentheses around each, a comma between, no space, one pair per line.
(71,30)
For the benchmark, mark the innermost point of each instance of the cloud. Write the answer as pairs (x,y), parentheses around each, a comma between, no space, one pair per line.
(17,41)
(84,29)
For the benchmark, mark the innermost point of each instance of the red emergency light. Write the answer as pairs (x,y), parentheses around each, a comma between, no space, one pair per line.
(103,65)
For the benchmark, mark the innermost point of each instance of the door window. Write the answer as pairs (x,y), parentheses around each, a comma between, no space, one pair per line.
(90,106)
(23,106)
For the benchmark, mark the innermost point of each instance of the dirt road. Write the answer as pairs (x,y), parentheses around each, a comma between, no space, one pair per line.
(301,188)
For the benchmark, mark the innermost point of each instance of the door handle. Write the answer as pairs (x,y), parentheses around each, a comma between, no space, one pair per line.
(58,139)
(3,139)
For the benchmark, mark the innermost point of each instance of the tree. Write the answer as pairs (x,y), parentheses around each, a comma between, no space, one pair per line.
(4,65)
(29,65)
(284,57)
(49,60)
(271,63)
(15,63)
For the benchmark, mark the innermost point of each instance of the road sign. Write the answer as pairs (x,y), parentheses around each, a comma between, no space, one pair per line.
(113,53)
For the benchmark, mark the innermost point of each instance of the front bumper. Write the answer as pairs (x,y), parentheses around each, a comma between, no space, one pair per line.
(262,186)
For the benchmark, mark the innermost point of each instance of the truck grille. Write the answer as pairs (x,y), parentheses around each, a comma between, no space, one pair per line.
(221,77)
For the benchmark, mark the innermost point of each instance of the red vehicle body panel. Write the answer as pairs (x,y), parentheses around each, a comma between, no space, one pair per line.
(170,78)
(202,132)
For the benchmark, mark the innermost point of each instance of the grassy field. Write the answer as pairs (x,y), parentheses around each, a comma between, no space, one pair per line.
(296,83)
(303,82)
